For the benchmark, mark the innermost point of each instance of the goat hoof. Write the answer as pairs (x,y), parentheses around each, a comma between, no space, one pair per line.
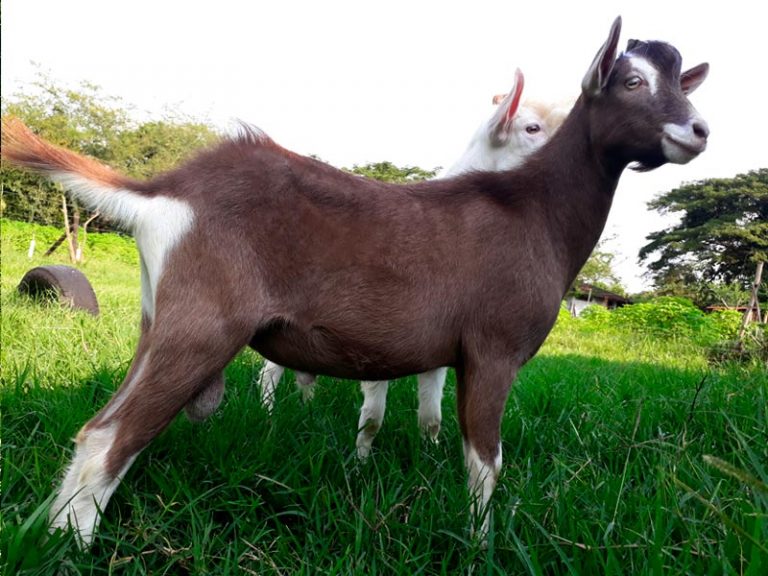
(431,432)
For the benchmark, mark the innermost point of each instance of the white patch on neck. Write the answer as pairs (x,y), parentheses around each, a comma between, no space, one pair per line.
(648,71)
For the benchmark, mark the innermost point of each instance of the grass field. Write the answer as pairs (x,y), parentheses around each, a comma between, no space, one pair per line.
(623,454)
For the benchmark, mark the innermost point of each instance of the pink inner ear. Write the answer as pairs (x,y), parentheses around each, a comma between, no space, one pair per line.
(518,92)
(692,79)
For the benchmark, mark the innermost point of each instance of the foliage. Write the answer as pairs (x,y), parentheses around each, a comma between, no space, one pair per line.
(598,271)
(100,126)
(665,317)
(722,233)
(701,293)
(159,145)
(388,172)
(751,348)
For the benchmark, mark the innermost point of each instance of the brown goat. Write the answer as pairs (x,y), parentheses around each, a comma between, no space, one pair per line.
(331,273)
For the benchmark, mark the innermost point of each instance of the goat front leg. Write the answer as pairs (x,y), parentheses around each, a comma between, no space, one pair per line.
(431,385)
(482,389)
(371,415)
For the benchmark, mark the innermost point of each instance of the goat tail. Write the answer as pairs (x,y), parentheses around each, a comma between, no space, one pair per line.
(95,185)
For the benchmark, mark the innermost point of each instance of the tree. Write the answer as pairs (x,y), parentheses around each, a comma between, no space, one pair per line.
(598,271)
(722,233)
(388,172)
(100,126)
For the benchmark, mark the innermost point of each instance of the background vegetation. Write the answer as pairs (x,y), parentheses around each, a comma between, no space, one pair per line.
(628,449)
(712,252)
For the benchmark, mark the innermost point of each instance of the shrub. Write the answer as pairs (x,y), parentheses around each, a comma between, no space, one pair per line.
(721,325)
(596,317)
(666,317)
(753,348)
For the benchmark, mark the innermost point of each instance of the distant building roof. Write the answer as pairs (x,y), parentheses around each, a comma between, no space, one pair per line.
(593,292)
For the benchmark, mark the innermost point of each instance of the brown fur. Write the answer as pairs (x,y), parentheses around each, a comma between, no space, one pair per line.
(331,273)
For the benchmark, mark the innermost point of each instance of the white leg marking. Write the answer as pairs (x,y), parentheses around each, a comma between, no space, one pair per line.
(268,379)
(482,479)
(147,298)
(371,415)
(431,386)
(305,382)
(126,390)
(87,487)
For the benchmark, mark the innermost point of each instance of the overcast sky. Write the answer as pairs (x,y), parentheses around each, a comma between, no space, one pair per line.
(406,81)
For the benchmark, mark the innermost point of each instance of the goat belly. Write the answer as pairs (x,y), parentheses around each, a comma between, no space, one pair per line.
(323,350)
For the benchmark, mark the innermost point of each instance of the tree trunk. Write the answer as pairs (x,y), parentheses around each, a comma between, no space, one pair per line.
(753,303)
(67,229)
(75,233)
(85,234)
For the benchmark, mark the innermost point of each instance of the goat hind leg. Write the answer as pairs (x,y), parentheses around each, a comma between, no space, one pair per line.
(165,379)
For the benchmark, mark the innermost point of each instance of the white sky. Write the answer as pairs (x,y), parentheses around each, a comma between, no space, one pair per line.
(404,80)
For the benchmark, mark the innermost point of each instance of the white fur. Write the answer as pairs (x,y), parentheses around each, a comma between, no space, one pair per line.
(86,485)
(158,224)
(647,71)
(482,479)
(268,379)
(431,386)
(681,144)
(161,226)
(482,154)
(126,389)
(371,414)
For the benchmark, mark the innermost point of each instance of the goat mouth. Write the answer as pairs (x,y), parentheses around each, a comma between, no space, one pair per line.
(682,151)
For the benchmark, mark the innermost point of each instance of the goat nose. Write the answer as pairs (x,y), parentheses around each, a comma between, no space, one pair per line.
(700,129)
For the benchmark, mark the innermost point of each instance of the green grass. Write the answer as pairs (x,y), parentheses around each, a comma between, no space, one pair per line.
(623,454)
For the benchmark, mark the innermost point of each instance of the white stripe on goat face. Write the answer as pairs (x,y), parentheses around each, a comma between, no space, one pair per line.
(647,71)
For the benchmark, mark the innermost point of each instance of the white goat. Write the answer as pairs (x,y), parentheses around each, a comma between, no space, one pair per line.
(512,133)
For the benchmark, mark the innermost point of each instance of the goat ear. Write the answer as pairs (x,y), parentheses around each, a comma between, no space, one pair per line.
(501,123)
(692,79)
(598,73)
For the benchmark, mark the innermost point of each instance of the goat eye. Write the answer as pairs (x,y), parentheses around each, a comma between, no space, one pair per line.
(533,128)
(633,82)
